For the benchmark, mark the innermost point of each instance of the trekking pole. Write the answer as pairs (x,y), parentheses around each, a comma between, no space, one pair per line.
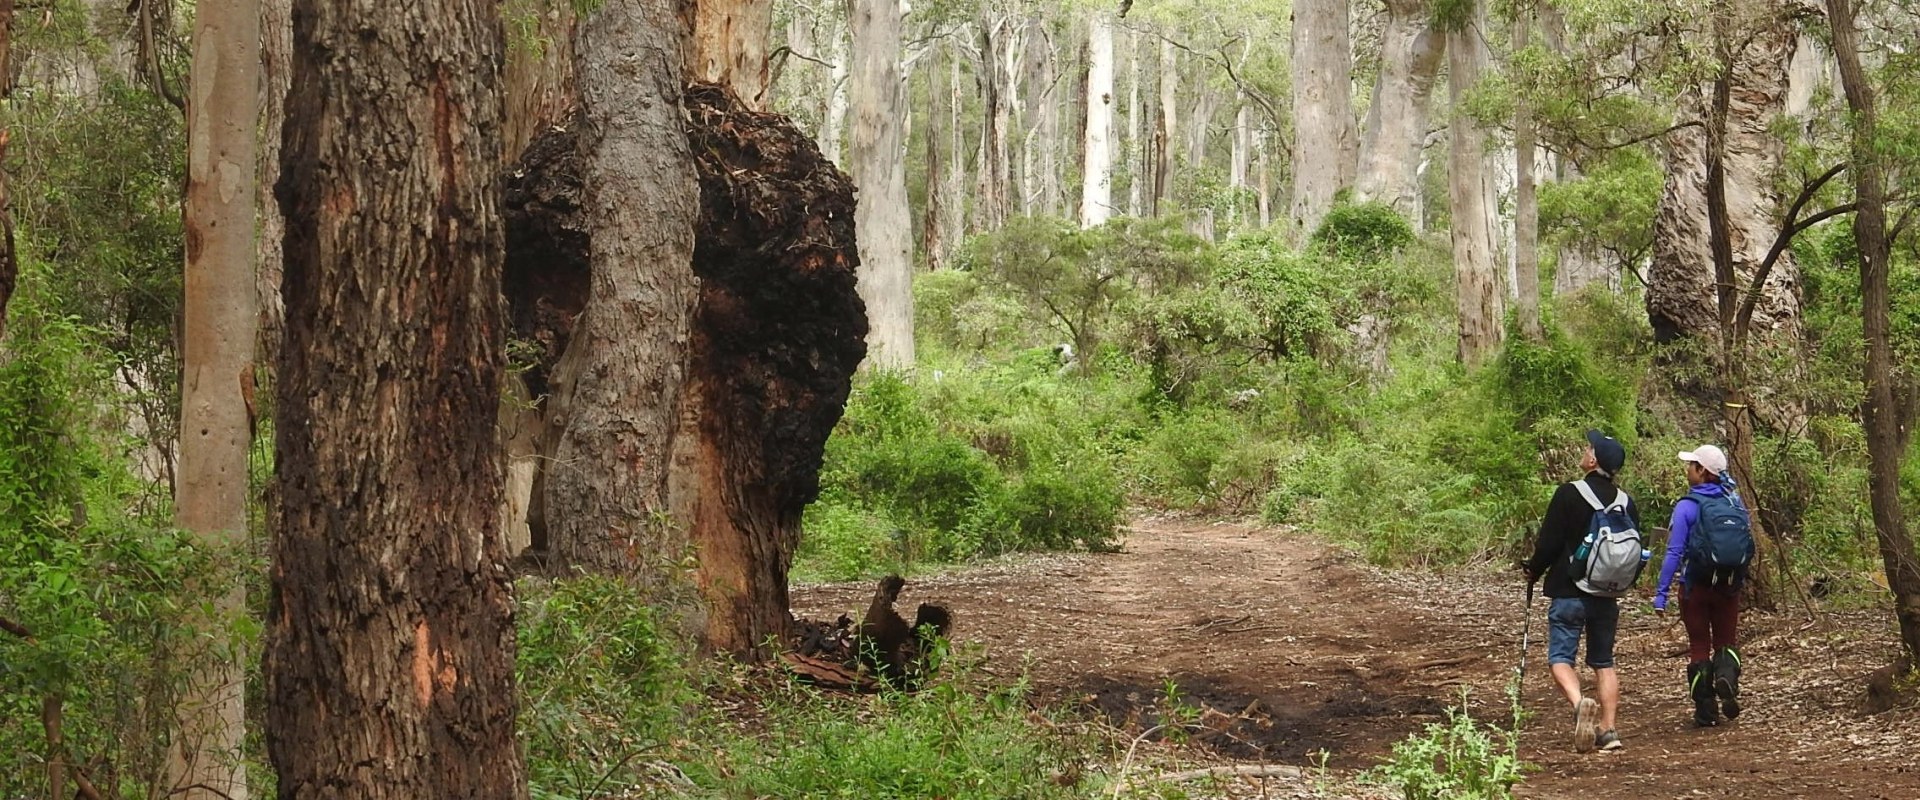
(1526,640)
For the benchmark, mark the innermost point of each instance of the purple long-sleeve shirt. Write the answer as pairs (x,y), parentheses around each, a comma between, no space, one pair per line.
(1686,514)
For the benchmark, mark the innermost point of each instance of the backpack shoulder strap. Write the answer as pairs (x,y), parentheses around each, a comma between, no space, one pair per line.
(1619,500)
(1586,492)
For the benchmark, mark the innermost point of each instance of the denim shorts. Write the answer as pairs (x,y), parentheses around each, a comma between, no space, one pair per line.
(1568,616)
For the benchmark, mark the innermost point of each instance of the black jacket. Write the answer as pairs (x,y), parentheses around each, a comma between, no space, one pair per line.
(1565,525)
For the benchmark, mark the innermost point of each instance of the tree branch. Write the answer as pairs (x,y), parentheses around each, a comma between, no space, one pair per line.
(1743,324)
(16,629)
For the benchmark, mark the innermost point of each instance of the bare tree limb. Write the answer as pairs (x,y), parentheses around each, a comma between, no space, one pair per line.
(16,629)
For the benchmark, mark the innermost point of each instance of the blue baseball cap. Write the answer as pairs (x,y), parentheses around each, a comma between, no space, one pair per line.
(1607,451)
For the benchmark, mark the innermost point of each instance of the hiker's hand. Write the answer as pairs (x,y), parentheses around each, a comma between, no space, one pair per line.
(1660,602)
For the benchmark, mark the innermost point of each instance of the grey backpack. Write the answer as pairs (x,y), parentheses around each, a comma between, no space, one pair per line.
(1610,558)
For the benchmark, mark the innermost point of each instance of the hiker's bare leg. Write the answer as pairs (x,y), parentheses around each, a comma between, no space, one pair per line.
(1565,677)
(1607,684)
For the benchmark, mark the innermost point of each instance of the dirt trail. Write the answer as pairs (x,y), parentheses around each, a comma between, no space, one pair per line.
(1292,647)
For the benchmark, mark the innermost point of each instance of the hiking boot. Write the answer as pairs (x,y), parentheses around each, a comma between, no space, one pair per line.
(1608,740)
(1583,722)
(1726,681)
(1700,685)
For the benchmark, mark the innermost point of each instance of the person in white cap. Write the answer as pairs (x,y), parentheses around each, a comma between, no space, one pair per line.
(1709,547)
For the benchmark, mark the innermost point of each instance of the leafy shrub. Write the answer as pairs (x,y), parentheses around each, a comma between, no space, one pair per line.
(1459,759)
(100,589)
(1012,464)
(598,682)
(1363,232)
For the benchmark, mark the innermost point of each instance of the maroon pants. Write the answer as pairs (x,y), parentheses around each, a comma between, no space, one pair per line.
(1712,617)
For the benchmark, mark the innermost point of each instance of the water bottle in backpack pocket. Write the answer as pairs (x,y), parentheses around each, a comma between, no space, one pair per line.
(1608,561)
(1721,541)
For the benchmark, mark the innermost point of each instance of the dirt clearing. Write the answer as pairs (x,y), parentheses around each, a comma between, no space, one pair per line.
(1287,648)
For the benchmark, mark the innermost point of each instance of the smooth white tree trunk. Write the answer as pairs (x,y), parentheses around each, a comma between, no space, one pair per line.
(1241,164)
(205,760)
(1410,55)
(833,125)
(1323,152)
(1135,150)
(1096,194)
(878,157)
(1478,293)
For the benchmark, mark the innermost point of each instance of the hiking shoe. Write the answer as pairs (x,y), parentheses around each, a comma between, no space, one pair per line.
(1608,740)
(1700,684)
(1726,681)
(1583,721)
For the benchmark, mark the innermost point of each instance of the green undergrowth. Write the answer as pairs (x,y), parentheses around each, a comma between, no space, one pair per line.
(611,709)
(1459,759)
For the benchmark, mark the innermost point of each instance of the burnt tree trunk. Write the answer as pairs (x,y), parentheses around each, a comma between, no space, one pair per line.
(779,333)
(390,643)
(776,337)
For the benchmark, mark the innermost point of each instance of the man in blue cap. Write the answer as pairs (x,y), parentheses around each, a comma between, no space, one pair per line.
(1574,612)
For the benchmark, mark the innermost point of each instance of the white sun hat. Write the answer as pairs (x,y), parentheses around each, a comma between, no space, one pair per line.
(1708,456)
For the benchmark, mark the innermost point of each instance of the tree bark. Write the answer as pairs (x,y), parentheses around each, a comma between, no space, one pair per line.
(616,391)
(204,758)
(276,62)
(880,173)
(1681,299)
(1241,164)
(540,91)
(1165,129)
(390,643)
(1884,420)
(1526,208)
(933,233)
(729,47)
(1096,188)
(992,202)
(1132,144)
(1323,152)
(779,333)
(833,128)
(1410,55)
(1479,297)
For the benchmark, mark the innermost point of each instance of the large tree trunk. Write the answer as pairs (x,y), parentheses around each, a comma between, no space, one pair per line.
(1885,420)
(1132,144)
(833,128)
(1165,128)
(1410,55)
(540,90)
(390,644)
(729,47)
(1040,154)
(779,334)
(1240,165)
(880,173)
(1681,300)
(1479,297)
(616,391)
(934,236)
(1323,157)
(1096,188)
(1526,208)
(204,758)
(993,203)
(276,63)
